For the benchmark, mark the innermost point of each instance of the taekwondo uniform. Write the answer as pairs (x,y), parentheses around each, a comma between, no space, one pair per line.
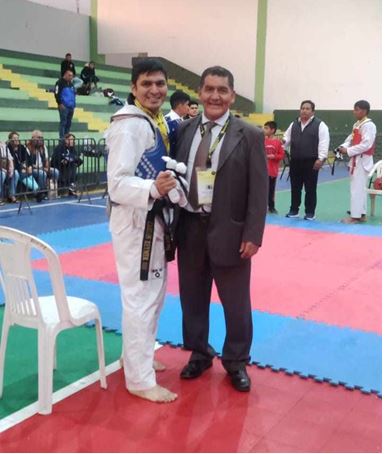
(136,147)
(360,145)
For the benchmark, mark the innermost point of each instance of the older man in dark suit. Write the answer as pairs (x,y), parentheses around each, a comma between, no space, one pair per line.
(221,227)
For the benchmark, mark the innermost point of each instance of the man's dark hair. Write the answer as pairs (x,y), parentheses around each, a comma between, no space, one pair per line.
(148,65)
(193,103)
(217,71)
(179,97)
(68,54)
(12,133)
(68,135)
(307,101)
(271,125)
(362,104)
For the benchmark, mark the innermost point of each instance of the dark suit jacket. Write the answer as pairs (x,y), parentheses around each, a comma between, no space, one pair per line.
(240,191)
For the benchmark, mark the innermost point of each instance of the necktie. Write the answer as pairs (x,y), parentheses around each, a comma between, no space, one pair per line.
(200,161)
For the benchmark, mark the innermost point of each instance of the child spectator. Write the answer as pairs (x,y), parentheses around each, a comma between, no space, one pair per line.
(274,153)
(7,174)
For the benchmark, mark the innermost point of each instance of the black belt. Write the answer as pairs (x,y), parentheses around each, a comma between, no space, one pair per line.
(148,237)
(196,215)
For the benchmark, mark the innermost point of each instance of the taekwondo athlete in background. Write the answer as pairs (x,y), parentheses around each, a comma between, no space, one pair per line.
(359,146)
(138,182)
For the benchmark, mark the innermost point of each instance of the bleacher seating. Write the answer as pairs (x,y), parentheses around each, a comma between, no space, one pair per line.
(26,105)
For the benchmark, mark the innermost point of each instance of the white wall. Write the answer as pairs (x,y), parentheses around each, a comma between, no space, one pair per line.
(192,33)
(29,27)
(328,51)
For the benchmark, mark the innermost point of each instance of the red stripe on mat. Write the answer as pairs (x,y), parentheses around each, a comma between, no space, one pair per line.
(326,277)
(281,413)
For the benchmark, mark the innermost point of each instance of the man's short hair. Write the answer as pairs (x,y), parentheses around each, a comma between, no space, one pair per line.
(362,104)
(68,54)
(217,71)
(307,101)
(271,125)
(68,71)
(148,65)
(179,97)
(68,135)
(37,134)
(193,103)
(12,133)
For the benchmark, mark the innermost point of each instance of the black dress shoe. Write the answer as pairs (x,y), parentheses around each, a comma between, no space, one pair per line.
(240,380)
(195,368)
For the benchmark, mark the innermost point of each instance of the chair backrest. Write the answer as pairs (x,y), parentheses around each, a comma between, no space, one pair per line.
(376,172)
(17,280)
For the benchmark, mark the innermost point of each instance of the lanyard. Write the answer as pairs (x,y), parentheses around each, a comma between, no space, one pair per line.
(217,140)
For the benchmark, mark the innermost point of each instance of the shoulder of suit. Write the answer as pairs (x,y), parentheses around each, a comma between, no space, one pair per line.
(248,128)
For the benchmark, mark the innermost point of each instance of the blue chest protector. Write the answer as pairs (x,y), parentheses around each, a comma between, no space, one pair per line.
(151,162)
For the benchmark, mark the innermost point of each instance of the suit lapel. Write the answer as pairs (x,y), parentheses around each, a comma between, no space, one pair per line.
(230,141)
(188,136)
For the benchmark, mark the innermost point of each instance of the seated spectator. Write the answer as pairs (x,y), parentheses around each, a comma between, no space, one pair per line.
(39,160)
(23,164)
(8,174)
(88,77)
(65,159)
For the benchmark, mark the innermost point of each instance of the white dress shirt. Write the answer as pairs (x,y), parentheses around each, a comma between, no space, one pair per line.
(323,138)
(215,156)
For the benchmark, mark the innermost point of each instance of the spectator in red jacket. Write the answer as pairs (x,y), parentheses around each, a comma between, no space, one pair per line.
(274,153)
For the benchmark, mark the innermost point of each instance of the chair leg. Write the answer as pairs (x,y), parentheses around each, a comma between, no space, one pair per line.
(3,347)
(46,347)
(55,355)
(100,345)
(372,204)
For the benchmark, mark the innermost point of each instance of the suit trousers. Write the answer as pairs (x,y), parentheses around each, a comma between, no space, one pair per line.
(196,275)
(302,175)
(272,182)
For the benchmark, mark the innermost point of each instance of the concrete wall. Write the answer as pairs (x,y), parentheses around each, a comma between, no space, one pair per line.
(75,6)
(194,34)
(29,27)
(328,51)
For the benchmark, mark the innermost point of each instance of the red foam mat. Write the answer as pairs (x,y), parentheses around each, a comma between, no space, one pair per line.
(327,277)
(280,414)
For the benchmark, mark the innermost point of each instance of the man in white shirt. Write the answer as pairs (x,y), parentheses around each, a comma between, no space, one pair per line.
(308,138)
(359,146)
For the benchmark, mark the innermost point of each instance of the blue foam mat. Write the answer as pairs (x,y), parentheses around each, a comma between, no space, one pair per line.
(309,349)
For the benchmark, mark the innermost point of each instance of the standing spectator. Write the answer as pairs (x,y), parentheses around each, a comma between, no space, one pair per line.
(308,138)
(88,77)
(221,227)
(66,64)
(179,101)
(65,160)
(193,110)
(65,95)
(274,154)
(359,146)
(8,174)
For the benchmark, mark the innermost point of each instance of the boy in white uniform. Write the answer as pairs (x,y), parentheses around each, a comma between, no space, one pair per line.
(359,146)
(137,181)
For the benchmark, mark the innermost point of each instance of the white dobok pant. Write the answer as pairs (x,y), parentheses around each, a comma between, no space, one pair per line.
(358,194)
(141,302)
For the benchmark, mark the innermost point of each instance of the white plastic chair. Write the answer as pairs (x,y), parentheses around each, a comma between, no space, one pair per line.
(375,173)
(48,314)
